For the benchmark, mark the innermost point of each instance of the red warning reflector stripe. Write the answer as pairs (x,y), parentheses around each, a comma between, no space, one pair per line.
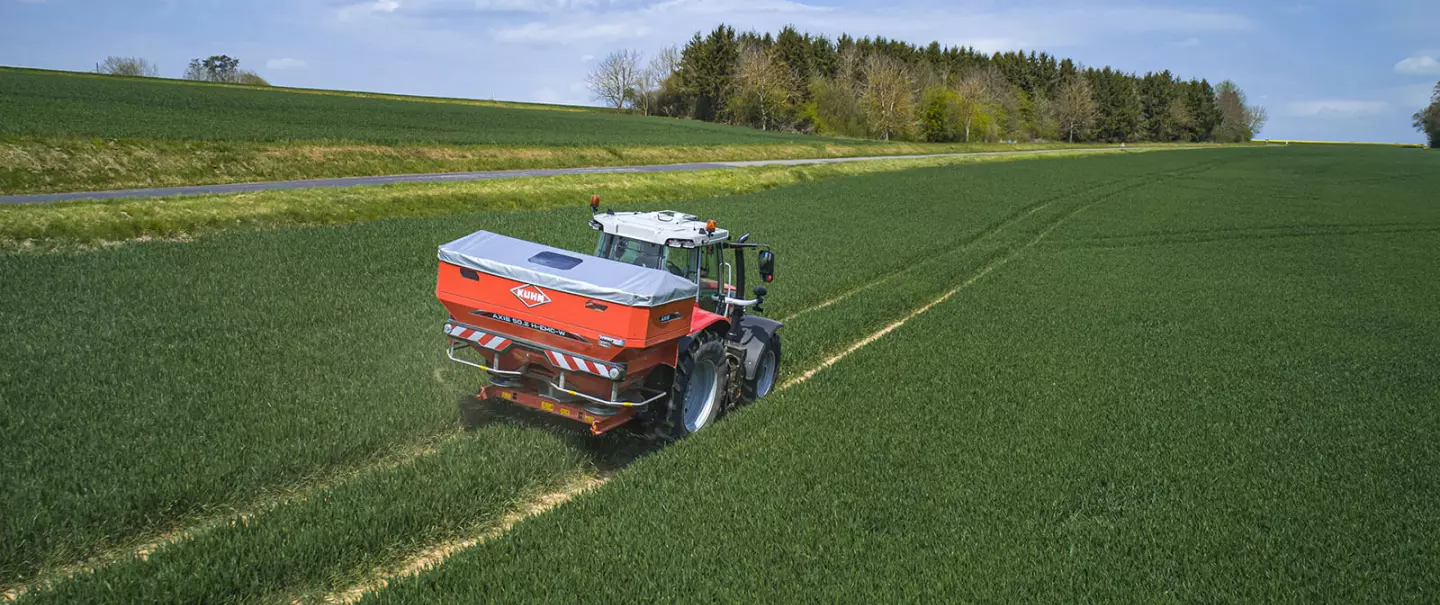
(578,364)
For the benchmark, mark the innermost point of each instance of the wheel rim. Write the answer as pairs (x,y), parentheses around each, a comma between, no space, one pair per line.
(765,375)
(700,395)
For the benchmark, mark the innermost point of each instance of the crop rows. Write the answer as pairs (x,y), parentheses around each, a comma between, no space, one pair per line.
(336,538)
(974,425)
(245,363)
(1247,420)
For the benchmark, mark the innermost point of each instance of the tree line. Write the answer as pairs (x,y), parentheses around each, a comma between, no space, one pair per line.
(215,68)
(1427,120)
(894,90)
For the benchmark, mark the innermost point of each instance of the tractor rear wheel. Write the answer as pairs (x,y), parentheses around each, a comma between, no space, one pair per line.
(767,371)
(698,391)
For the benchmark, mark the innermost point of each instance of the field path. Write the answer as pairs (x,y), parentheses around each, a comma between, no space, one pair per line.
(455,177)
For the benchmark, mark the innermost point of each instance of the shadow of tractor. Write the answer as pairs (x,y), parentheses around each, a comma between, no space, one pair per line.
(609,452)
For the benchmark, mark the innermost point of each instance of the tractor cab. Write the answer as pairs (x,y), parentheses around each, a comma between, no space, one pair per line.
(687,247)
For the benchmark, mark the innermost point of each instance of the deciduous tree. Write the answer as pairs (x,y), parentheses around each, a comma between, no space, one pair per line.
(1000,103)
(659,92)
(887,99)
(1239,121)
(939,118)
(970,109)
(615,78)
(761,88)
(1003,95)
(1075,108)
(1045,124)
(251,78)
(1427,120)
(215,68)
(834,108)
(127,66)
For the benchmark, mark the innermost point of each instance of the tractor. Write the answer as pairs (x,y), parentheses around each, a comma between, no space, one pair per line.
(650,330)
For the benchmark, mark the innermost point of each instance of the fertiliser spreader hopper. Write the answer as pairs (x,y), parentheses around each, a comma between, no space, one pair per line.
(648,329)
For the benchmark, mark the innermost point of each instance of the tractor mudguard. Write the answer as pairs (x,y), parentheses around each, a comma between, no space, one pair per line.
(754,333)
(720,327)
(704,319)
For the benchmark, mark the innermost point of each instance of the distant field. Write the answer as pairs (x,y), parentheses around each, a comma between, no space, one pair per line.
(1198,376)
(1292,141)
(74,132)
(49,104)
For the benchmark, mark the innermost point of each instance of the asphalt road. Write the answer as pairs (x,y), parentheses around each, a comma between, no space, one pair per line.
(452,177)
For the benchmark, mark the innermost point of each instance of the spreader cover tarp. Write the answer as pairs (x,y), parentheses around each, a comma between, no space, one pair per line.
(591,277)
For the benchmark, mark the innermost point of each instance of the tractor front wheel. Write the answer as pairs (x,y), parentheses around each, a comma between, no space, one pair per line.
(698,390)
(767,371)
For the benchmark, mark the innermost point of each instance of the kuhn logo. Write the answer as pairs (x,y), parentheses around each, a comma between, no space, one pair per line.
(530,295)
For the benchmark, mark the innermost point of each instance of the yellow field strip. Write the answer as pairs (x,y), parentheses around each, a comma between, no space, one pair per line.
(1298,142)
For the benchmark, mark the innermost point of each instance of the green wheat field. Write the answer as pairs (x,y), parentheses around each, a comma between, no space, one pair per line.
(1201,375)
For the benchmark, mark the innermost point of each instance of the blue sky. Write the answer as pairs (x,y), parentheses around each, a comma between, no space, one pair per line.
(1323,70)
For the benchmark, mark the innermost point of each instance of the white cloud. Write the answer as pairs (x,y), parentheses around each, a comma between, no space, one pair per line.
(540,32)
(528,6)
(365,9)
(1189,43)
(731,6)
(1337,108)
(286,63)
(587,58)
(1142,20)
(1420,65)
(450,7)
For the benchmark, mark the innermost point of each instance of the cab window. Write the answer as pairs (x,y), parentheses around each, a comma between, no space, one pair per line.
(712,277)
(630,251)
(684,262)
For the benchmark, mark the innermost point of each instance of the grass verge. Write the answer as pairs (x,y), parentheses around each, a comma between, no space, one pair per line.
(58,164)
(97,222)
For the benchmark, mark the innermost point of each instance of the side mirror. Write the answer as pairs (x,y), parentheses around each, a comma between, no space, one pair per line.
(767,265)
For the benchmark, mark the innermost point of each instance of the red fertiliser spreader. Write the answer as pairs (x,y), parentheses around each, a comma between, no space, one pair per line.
(648,331)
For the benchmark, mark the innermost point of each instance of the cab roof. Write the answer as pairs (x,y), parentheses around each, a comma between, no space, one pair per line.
(666,227)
